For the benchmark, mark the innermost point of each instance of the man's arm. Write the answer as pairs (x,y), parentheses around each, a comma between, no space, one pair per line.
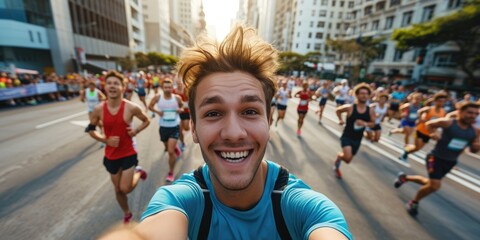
(371,123)
(421,115)
(82,95)
(340,110)
(432,126)
(151,105)
(180,103)
(137,112)
(91,129)
(475,146)
(168,224)
(326,233)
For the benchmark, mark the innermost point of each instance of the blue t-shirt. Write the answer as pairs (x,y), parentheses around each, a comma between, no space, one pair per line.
(398,96)
(304,210)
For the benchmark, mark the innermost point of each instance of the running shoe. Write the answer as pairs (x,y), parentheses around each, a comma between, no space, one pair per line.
(404,156)
(299,132)
(127,218)
(412,208)
(336,168)
(401,179)
(177,151)
(143,173)
(169,177)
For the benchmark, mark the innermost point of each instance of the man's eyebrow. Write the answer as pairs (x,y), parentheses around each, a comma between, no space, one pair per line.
(251,98)
(211,100)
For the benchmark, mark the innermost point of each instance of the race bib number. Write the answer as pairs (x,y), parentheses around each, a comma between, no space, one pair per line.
(303,102)
(457,144)
(170,115)
(185,104)
(358,127)
(413,115)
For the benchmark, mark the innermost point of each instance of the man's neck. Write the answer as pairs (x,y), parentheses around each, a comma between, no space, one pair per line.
(114,102)
(167,95)
(243,199)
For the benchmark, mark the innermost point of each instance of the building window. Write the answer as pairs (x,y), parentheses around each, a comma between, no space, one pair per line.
(398,55)
(31,36)
(381,53)
(319,35)
(363,27)
(349,15)
(324,2)
(296,45)
(314,2)
(308,45)
(311,23)
(334,3)
(298,34)
(389,22)
(340,15)
(339,25)
(332,14)
(453,4)
(350,4)
(395,3)
(375,25)
(320,24)
(313,13)
(428,13)
(317,46)
(368,10)
(300,13)
(342,3)
(322,13)
(39,37)
(328,36)
(329,25)
(299,23)
(309,35)
(380,6)
(445,59)
(407,18)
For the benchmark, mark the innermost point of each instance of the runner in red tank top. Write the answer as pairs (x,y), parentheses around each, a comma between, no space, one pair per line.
(305,96)
(120,156)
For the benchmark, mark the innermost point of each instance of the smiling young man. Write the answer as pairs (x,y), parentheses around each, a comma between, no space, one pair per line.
(120,159)
(230,87)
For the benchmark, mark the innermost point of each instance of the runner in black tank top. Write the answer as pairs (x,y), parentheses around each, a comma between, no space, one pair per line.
(359,116)
(457,134)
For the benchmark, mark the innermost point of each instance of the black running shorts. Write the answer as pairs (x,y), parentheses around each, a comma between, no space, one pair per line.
(437,168)
(281,107)
(169,132)
(422,136)
(323,101)
(355,144)
(184,116)
(113,166)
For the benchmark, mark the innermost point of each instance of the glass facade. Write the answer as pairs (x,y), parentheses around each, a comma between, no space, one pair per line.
(37,12)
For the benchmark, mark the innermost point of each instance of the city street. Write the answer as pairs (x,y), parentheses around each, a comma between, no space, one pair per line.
(53,184)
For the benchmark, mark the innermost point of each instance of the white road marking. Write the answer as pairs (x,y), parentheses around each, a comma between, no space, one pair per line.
(82,123)
(61,120)
(455,175)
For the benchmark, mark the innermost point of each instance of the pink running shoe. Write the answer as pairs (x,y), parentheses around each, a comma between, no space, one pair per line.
(169,177)
(177,151)
(127,218)
(143,173)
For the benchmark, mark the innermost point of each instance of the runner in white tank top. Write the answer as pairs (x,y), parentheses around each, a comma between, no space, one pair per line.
(381,108)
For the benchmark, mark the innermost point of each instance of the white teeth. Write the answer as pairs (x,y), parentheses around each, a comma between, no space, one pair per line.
(234,155)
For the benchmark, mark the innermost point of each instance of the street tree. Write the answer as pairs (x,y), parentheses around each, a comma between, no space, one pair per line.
(461,28)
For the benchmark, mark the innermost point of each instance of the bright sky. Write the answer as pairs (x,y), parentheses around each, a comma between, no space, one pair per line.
(219,14)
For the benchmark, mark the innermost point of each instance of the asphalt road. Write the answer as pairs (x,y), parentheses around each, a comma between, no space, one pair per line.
(53,184)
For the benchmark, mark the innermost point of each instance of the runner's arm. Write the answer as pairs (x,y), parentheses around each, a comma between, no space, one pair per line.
(421,115)
(151,105)
(82,95)
(452,114)
(168,224)
(475,146)
(180,104)
(101,96)
(371,123)
(342,109)
(326,233)
(137,112)
(94,121)
(432,125)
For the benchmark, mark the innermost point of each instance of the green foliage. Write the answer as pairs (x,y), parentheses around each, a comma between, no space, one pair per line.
(126,63)
(155,59)
(291,61)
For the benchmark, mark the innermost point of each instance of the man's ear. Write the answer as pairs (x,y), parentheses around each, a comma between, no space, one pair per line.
(194,131)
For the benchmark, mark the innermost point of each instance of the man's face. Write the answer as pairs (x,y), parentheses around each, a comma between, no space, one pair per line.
(469,115)
(114,87)
(231,127)
(167,88)
(362,95)
(440,102)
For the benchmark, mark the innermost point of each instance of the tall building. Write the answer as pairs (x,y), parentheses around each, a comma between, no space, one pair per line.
(156,15)
(380,18)
(184,24)
(284,24)
(266,9)
(135,24)
(66,36)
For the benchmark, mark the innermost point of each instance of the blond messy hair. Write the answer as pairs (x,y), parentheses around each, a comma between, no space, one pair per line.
(241,50)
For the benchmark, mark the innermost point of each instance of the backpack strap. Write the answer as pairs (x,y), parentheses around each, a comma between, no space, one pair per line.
(207,210)
(280,184)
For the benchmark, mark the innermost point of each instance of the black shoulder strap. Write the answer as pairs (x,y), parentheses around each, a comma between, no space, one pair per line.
(280,184)
(207,210)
